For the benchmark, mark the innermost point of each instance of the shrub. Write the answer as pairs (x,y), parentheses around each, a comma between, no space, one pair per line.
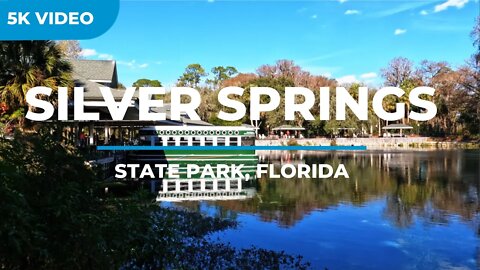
(292,142)
(53,216)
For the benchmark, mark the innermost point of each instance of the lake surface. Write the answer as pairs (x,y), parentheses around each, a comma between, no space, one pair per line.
(398,210)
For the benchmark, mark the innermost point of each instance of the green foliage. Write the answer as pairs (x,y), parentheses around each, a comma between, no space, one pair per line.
(69,48)
(221,74)
(292,142)
(30,64)
(121,86)
(214,120)
(147,83)
(315,128)
(54,216)
(176,241)
(192,75)
(50,209)
(24,65)
(274,118)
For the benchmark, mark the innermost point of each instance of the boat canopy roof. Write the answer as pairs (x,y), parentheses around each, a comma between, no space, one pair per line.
(397,126)
(287,127)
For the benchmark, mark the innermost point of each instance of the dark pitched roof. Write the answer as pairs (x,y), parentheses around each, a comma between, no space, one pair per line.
(94,70)
(92,89)
(90,74)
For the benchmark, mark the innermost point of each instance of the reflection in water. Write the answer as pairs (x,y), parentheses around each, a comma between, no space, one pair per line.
(431,185)
(422,204)
(209,189)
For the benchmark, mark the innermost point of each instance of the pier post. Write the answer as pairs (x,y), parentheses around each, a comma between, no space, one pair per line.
(90,134)
(106,134)
(165,185)
(190,185)
(164,141)
(215,184)
(227,184)
(177,186)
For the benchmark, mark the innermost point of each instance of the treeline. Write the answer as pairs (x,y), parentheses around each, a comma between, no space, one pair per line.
(457,95)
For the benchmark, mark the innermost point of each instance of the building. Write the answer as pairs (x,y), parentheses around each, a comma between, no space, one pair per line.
(93,74)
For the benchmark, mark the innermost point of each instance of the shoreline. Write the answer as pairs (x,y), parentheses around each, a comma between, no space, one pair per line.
(426,143)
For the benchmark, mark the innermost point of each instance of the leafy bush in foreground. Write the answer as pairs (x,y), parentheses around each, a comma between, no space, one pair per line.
(54,217)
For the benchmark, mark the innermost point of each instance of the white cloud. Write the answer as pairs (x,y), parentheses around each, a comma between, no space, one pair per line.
(369,75)
(423,12)
(128,64)
(88,52)
(352,12)
(94,53)
(132,64)
(348,79)
(105,56)
(342,1)
(404,7)
(450,3)
(399,31)
(314,16)
(326,74)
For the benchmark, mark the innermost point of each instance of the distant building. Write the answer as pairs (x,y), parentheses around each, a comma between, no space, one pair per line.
(103,72)
(93,74)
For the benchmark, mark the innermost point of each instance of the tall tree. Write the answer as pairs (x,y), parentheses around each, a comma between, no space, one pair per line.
(26,64)
(397,71)
(220,74)
(282,68)
(70,48)
(121,86)
(274,118)
(475,34)
(147,83)
(192,76)
(473,81)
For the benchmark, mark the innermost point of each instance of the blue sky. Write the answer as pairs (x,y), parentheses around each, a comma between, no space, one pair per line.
(346,39)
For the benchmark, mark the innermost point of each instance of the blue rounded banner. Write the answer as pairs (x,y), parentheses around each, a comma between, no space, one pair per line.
(56,19)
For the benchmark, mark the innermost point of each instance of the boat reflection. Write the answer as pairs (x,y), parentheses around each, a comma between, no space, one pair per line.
(213,189)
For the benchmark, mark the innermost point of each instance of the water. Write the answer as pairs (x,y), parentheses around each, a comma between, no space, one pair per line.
(398,210)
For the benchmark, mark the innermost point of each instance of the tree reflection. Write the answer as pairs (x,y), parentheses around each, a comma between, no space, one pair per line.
(429,185)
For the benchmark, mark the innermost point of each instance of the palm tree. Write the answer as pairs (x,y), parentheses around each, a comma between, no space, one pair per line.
(26,64)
